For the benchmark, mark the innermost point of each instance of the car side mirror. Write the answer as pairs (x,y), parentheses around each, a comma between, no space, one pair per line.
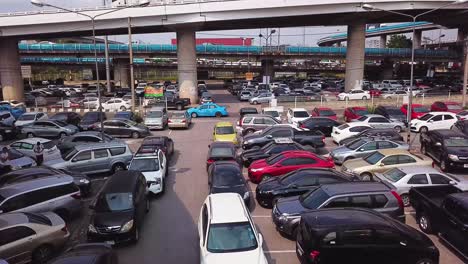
(382,164)
(430,121)
(438,144)
(269,136)
(361,149)
(452,182)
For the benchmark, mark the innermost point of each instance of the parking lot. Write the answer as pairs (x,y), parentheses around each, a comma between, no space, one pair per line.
(169,234)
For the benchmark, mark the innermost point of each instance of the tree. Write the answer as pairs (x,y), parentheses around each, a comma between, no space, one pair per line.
(399,41)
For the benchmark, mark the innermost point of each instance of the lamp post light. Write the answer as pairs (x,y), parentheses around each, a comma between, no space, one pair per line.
(40,3)
(369,7)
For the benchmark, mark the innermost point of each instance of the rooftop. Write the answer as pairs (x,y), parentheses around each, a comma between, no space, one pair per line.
(227,208)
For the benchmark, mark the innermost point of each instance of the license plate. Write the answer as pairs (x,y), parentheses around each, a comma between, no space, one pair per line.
(110,243)
(465,165)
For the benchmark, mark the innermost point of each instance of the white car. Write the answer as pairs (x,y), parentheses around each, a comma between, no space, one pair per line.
(274,112)
(378,121)
(90,102)
(153,166)
(355,94)
(432,121)
(25,146)
(295,115)
(347,130)
(394,94)
(116,105)
(13,103)
(404,178)
(227,233)
(29,118)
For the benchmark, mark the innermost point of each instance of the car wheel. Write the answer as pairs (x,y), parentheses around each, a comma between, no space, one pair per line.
(42,254)
(123,108)
(249,131)
(62,135)
(425,223)
(30,135)
(118,167)
(266,177)
(423,149)
(405,199)
(179,107)
(218,114)
(366,176)
(397,129)
(135,135)
(194,115)
(425,261)
(254,102)
(423,129)
(364,98)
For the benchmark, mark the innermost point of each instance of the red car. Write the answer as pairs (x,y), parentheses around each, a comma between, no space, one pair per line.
(324,112)
(355,112)
(285,162)
(417,110)
(453,107)
(375,93)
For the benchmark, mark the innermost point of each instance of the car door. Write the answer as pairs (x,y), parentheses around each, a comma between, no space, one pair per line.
(386,145)
(100,161)
(448,122)
(286,165)
(417,180)
(436,122)
(53,130)
(365,149)
(111,128)
(454,229)
(16,244)
(390,246)
(122,129)
(355,245)
(439,179)
(203,110)
(81,162)
(386,163)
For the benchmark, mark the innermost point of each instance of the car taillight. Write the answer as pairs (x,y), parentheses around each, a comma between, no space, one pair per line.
(76,195)
(302,126)
(314,255)
(400,201)
(240,122)
(210,161)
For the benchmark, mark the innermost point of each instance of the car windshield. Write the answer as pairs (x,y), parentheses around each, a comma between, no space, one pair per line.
(454,107)
(374,157)
(231,237)
(26,117)
(394,175)
(456,142)
(221,152)
(68,155)
(355,144)
(155,114)
(144,165)
(273,159)
(227,176)
(420,109)
(314,198)
(114,202)
(301,114)
(362,118)
(343,126)
(225,130)
(327,113)
(425,117)
(177,115)
(361,112)
(272,113)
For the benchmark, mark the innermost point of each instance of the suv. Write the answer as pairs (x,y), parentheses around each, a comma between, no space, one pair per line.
(227,232)
(156,118)
(378,196)
(153,164)
(100,157)
(57,194)
(251,123)
(354,235)
(447,147)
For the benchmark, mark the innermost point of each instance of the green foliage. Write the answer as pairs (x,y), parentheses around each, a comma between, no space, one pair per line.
(399,41)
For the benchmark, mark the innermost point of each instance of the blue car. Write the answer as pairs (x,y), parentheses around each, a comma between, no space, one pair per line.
(208,109)
(15,111)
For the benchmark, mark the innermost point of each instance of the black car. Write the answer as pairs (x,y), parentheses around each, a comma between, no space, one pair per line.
(375,195)
(391,112)
(27,174)
(447,147)
(87,137)
(356,235)
(383,133)
(461,126)
(89,119)
(226,176)
(125,115)
(166,144)
(7,132)
(322,124)
(314,139)
(67,117)
(119,209)
(221,151)
(296,183)
(90,253)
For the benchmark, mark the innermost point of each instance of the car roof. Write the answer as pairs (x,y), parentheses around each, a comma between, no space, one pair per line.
(33,140)
(324,108)
(335,217)
(354,187)
(121,181)
(11,219)
(462,197)
(418,169)
(257,115)
(358,108)
(446,133)
(373,115)
(227,208)
(97,145)
(294,153)
(394,151)
(153,140)
(15,188)
(87,133)
(224,124)
(442,113)
(298,109)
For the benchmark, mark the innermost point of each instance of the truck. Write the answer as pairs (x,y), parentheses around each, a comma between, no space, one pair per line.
(443,210)
(170,100)
(314,139)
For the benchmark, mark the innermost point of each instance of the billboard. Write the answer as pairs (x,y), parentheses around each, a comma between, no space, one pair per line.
(154,91)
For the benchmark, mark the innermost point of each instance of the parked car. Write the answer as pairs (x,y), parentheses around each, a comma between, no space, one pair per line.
(382,160)
(392,113)
(123,128)
(28,237)
(295,183)
(49,128)
(151,143)
(89,253)
(227,232)
(324,112)
(378,196)
(285,162)
(224,131)
(417,110)
(355,94)
(295,115)
(179,119)
(447,147)
(208,109)
(95,158)
(89,119)
(7,132)
(452,107)
(347,130)
(351,113)
(6,118)
(322,124)
(407,177)
(380,133)
(26,146)
(362,147)
(206,98)
(49,194)
(252,123)
(17,160)
(328,235)
(221,151)
(261,98)
(461,126)
(71,118)
(90,103)
(153,165)
(378,121)
(125,115)
(432,121)
(116,104)
(86,137)
(156,118)
(226,177)
(273,112)
(29,118)
(119,209)
(442,210)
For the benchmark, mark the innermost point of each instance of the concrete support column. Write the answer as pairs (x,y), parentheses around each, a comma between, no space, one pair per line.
(383,41)
(187,64)
(268,70)
(10,70)
(417,39)
(355,55)
(121,73)
(386,70)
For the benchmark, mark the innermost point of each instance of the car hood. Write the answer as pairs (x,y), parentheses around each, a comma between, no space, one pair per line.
(23,123)
(56,163)
(290,206)
(240,189)
(253,256)
(355,164)
(401,117)
(112,218)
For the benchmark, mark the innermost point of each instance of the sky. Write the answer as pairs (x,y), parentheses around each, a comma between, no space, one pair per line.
(288,36)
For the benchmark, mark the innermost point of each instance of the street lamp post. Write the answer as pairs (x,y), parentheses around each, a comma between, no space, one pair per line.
(370,7)
(268,37)
(40,3)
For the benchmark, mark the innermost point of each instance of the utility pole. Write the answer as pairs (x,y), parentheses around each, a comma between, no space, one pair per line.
(130,50)
(106,53)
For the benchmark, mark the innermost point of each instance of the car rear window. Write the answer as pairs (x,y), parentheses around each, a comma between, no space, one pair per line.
(38,219)
(221,152)
(301,114)
(314,198)
(117,151)
(48,145)
(394,175)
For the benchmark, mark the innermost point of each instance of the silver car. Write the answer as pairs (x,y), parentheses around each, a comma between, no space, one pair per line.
(378,121)
(262,98)
(26,146)
(244,95)
(49,128)
(96,158)
(179,119)
(360,147)
(156,118)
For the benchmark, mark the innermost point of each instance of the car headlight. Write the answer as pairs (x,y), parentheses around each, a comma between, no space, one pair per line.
(85,181)
(91,229)
(246,195)
(453,157)
(255,170)
(282,218)
(125,228)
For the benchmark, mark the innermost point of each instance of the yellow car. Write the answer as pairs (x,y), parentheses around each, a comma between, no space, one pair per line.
(224,131)
(383,160)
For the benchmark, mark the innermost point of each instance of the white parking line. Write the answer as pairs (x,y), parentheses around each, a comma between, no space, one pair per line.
(261,216)
(279,251)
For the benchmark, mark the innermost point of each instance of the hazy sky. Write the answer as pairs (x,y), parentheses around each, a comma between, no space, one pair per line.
(291,36)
